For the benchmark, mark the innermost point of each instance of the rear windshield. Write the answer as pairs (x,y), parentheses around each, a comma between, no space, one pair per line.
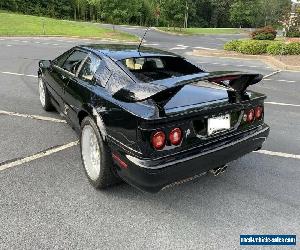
(148,69)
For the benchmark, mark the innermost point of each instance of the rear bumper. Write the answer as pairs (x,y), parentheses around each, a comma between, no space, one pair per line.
(153,175)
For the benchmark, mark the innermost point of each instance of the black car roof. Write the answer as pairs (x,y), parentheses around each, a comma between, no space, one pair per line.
(119,52)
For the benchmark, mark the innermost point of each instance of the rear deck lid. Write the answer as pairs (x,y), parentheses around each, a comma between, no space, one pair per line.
(192,94)
(196,88)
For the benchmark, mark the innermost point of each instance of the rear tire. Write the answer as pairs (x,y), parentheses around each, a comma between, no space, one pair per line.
(96,156)
(45,97)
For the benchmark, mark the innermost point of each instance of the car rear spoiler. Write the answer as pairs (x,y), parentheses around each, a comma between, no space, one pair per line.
(137,92)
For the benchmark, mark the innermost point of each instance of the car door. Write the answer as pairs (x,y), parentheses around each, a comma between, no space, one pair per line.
(79,90)
(55,77)
(67,71)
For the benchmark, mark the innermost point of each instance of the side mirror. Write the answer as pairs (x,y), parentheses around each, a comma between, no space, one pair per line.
(45,63)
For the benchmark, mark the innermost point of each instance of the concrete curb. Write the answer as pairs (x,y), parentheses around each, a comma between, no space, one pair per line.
(270,60)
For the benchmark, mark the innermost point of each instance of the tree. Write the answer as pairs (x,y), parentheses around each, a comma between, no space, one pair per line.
(201,13)
(174,11)
(220,13)
(244,13)
(273,11)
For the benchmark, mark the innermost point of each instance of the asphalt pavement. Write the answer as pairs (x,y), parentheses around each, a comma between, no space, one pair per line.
(175,42)
(46,201)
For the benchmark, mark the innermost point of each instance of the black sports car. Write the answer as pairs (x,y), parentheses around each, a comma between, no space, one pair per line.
(150,117)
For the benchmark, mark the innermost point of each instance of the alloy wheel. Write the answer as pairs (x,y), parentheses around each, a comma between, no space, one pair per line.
(90,151)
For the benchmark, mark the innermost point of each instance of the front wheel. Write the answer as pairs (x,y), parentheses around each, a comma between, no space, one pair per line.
(96,156)
(45,98)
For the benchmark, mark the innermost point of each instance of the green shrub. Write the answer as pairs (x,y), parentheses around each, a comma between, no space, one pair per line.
(277,48)
(293,48)
(266,33)
(253,47)
(264,36)
(293,32)
(232,45)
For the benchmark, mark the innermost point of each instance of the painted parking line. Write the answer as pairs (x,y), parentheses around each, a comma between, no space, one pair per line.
(282,80)
(279,154)
(221,64)
(286,81)
(17,74)
(54,42)
(272,74)
(235,65)
(16,162)
(151,44)
(40,43)
(283,104)
(267,77)
(30,42)
(35,117)
(205,48)
(178,48)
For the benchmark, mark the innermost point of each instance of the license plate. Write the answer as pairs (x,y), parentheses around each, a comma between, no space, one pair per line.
(218,124)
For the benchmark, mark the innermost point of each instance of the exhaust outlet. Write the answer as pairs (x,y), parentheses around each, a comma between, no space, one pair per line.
(224,169)
(219,170)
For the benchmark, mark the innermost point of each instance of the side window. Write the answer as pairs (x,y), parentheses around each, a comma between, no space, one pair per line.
(89,68)
(59,61)
(102,74)
(73,61)
(118,80)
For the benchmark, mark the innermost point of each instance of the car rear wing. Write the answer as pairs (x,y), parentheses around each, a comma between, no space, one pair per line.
(164,89)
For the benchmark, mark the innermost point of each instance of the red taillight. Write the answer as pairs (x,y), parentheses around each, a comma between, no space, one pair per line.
(258,112)
(158,140)
(175,136)
(250,115)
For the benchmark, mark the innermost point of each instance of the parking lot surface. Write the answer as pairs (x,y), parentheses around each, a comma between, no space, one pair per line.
(46,201)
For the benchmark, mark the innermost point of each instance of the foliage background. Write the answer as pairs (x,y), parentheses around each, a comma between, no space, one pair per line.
(201,13)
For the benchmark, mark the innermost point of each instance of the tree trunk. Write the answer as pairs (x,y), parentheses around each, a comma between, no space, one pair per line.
(78,10)
(91,13)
